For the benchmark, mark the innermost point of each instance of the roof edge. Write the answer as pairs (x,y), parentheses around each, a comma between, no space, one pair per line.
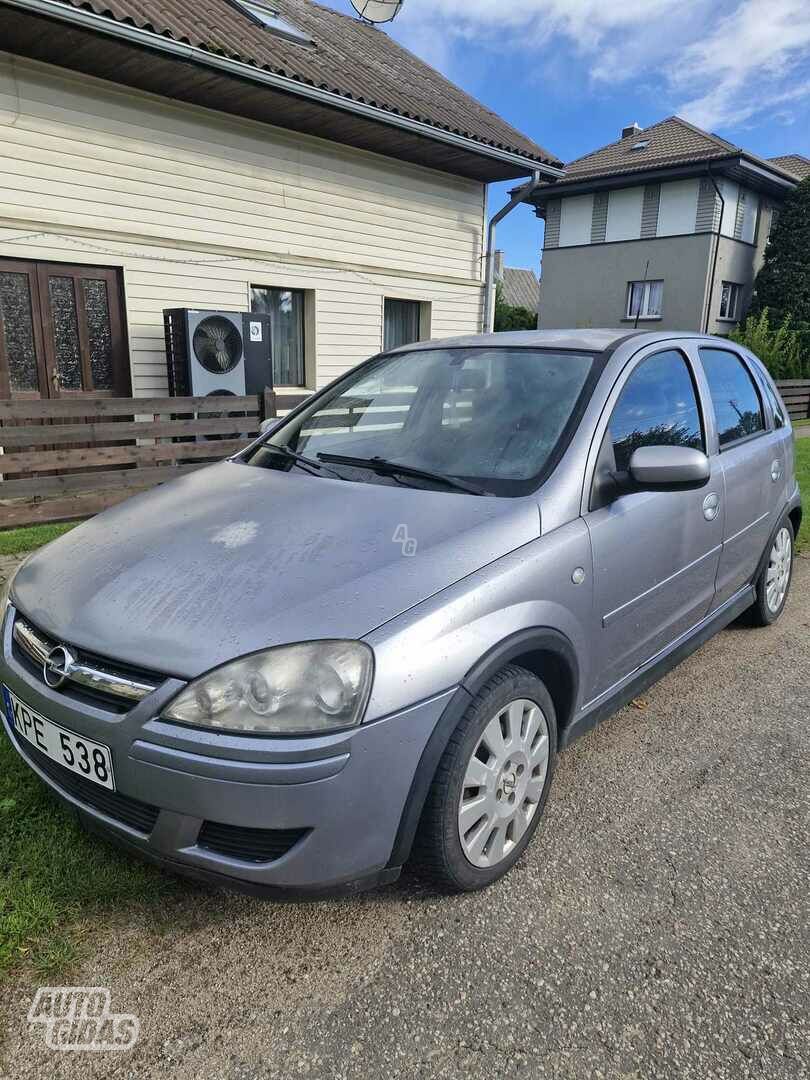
(83,18)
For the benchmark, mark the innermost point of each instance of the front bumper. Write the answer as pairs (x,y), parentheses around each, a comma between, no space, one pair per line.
(307,815)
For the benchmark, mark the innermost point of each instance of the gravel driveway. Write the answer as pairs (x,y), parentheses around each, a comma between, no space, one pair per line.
(659,925)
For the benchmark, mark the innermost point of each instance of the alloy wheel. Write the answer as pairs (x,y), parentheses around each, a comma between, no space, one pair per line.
(777,577)
(503,782)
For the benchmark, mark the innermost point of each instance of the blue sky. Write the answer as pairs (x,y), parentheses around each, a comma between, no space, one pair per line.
(572,73)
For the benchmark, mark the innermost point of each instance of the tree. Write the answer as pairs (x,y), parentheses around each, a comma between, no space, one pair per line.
(512,318)
(783,284)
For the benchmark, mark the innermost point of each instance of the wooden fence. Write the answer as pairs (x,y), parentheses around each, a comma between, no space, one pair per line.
(796,396)
(68,458)
(71,457)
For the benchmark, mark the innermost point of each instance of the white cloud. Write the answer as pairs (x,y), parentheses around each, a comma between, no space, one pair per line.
(716,62)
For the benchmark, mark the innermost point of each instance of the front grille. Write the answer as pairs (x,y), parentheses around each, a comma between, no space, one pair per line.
(248,845)
(97,681)
(138,815)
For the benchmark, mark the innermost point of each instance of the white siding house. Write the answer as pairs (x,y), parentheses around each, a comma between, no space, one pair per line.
(193,206)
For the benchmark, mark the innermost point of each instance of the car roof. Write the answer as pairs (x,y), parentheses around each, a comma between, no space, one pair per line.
(585,340)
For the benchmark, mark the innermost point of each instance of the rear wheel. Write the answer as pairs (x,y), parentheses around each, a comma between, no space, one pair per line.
(491,785)
(773,584)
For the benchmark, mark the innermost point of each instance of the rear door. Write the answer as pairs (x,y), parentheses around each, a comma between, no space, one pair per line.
(751,457)
(655,552)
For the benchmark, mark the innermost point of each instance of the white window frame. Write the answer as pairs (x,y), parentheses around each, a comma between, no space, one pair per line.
(265,14)
(735,292)
(646,293)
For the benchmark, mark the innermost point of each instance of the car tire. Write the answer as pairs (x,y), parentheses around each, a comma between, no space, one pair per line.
(457,848)
(773,583)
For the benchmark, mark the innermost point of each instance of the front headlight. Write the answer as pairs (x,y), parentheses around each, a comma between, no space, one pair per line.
(292,689)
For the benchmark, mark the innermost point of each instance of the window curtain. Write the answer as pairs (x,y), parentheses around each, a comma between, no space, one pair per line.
(656,297)
(286,310)
(401,323)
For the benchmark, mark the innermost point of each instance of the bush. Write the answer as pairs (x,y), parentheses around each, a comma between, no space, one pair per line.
(780,348)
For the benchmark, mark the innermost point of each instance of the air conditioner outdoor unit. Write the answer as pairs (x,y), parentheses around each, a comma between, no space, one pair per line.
(217,352)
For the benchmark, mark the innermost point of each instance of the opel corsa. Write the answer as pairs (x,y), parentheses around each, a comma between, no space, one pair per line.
(366,637)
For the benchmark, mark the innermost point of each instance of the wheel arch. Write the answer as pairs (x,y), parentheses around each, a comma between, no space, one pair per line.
(543,651)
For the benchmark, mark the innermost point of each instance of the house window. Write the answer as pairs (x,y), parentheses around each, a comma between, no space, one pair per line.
(286,310)
(268,16)
(403,322)
(644,299)
(729,300)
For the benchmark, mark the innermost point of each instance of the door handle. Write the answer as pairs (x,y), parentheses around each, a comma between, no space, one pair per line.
(711,506)
(776,470)
(56,379)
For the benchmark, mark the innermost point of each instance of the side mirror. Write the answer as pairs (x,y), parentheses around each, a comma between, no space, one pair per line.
(664,467)
(267,424)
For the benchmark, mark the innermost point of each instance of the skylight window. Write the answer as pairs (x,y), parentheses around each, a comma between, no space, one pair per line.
(269,17)
(641,145)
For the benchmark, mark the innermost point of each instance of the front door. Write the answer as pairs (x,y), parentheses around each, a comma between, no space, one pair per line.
(61,331)
(655,553)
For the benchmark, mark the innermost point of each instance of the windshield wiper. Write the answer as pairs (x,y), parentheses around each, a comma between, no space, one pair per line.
(394,468)
(299,459)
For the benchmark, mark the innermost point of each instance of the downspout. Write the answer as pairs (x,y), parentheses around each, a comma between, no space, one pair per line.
(520,196)
(718,234)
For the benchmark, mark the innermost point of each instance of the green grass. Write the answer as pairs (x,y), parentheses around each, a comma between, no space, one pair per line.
(14,541)
(803,476)
(52,874)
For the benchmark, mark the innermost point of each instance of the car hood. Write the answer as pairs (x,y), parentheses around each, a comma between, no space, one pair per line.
(234,558)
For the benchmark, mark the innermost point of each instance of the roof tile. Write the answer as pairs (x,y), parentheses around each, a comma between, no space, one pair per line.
(348,57)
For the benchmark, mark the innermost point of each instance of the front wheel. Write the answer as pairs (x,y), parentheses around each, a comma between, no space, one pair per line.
(491,785)
(773,584)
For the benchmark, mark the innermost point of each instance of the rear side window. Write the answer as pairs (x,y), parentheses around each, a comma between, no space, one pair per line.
(657,407)
(737,405)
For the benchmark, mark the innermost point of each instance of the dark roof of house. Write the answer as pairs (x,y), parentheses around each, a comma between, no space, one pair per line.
(668,144)
(347,57)
(521,288)
(796,164)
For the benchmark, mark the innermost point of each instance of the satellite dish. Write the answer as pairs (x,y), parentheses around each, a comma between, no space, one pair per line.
(377,11)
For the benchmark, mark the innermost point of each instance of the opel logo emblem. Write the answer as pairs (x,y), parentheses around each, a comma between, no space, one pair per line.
(57,667)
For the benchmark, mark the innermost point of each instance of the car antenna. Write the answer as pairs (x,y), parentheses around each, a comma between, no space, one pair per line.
(643,280)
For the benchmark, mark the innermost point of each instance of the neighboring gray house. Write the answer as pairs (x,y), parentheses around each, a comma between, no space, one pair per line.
(519,287)
(665,226)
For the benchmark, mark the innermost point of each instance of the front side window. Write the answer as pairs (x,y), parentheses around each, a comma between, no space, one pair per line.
(736,402)
(644,299)
(729,300)
(657,407)
(402,322)
(492,416)
(286,310)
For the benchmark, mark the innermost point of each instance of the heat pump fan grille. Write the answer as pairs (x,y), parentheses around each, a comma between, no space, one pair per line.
(217,344)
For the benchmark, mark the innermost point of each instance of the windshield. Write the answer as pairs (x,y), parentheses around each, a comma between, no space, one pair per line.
(492,416)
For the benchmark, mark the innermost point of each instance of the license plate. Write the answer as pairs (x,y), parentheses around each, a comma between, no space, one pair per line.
(80,755)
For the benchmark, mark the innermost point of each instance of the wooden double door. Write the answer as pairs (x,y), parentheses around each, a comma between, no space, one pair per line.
(61,331)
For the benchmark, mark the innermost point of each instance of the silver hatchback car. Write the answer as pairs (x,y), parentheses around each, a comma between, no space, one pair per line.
(367,636)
